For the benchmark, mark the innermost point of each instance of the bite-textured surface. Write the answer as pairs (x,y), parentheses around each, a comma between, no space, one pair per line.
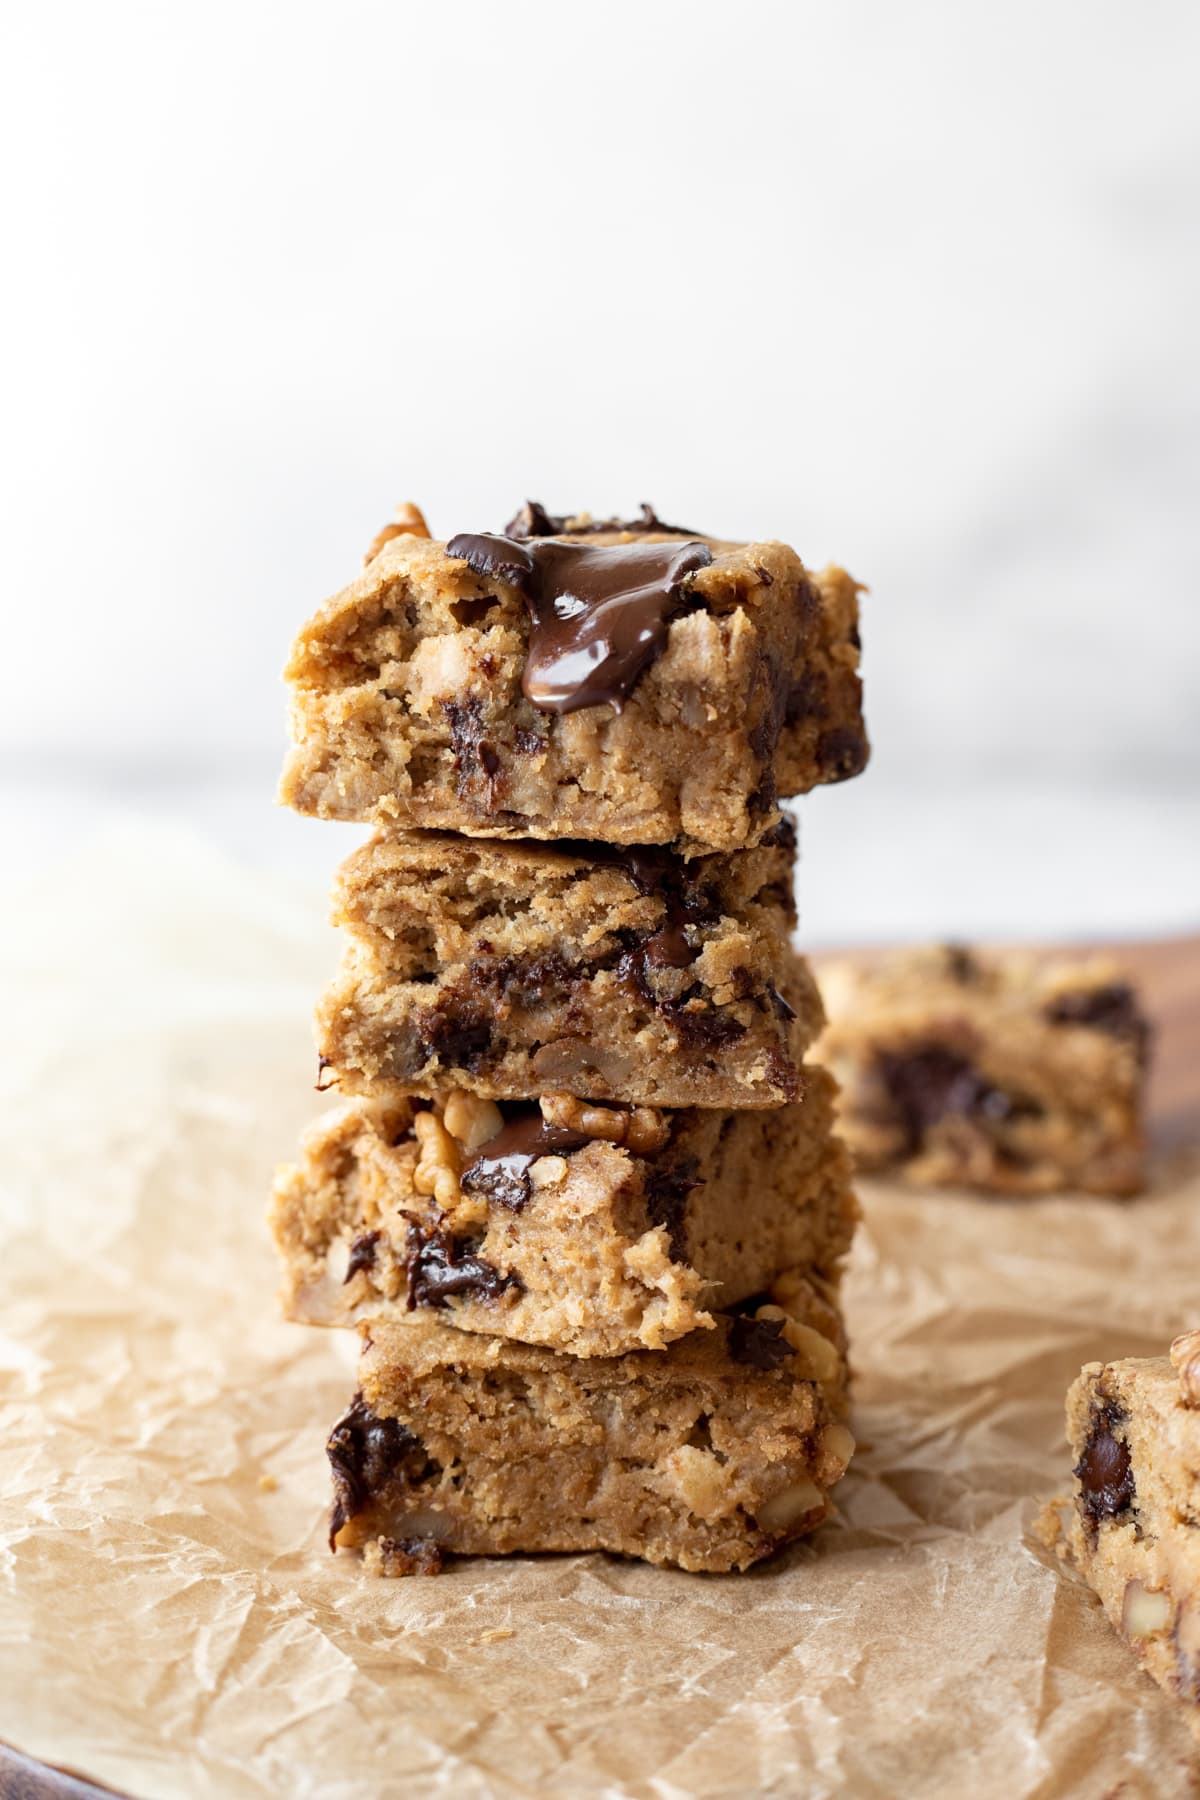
(989,1069)
(1131,1526)
(583,1243)
(407,705)
(709,1455)
(613,974)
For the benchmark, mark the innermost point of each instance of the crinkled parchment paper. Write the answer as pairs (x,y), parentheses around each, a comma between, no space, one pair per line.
(171,1621)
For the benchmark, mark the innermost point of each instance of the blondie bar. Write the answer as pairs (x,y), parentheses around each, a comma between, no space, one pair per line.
(998,1070)
(603,971)
(1131,1527)
(590,1230)
(709,1455)
(631,683)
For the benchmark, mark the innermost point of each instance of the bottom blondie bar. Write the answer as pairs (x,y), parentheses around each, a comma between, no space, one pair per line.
(1132,1526)
(709,1455)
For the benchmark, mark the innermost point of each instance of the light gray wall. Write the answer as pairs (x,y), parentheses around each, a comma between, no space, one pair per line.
(915,287)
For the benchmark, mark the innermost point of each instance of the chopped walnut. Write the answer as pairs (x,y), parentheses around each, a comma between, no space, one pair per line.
(408,521)
(437,1171)
(643,1130)
(471,1119)
(1185,1354)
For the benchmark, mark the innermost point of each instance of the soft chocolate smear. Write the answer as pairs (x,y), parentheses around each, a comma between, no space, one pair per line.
(599,613)
(459,1035)
(442,1267)
(533,521)
(364,1453)
(668,1186)
(1104,1471)
(362,1254)
(758,1343)
(499,1170)
(934,1082)
(1111,1008)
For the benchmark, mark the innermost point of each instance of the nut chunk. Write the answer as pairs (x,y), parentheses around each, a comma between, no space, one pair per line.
(633,684)
(1131,1527)
(589,1229)
(709,1455)
(989,1070)
(603,971)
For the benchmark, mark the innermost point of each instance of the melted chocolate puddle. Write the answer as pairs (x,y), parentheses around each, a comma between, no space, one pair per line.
(499,1169)
(599,612)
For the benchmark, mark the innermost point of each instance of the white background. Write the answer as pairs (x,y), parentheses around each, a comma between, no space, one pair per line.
(912,286)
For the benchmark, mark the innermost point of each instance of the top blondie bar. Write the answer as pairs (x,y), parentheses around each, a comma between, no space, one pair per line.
(630,682)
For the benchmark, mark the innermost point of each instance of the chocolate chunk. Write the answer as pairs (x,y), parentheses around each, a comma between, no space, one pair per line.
(781,836)
(525,980)
(758,1343)
(1104,1471)
(599,614)
(668,1185)
(474,757)
(365,1452)
(704,1028)
(961,964)
(841,753)
(933,1082)
(441,1266)
(458,1036)
(533,521)
(1112,1009)
(499,1170)
(808,698)
(362,1254)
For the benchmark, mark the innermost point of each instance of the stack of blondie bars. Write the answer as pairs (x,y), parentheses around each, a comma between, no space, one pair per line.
(582,1197)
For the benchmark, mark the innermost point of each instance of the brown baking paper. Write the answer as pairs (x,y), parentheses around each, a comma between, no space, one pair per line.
(173,1623)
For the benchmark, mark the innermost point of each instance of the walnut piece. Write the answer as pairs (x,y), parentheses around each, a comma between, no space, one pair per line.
(407,521)
(642,1130)
(436,1172)
(1185,1354)
(470,1119)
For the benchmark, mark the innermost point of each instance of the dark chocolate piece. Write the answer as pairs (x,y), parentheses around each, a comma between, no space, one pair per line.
(441,1266)
(599,614)
(524,980)
(499,1170)
(842,753)
(1112,1009)
(668,1186)
(1104,1471)
(932,1083)
(758,1343)
(961,964)
(364,1453)
(533,521)
(460,1035)
(362,1254)
(474,758)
